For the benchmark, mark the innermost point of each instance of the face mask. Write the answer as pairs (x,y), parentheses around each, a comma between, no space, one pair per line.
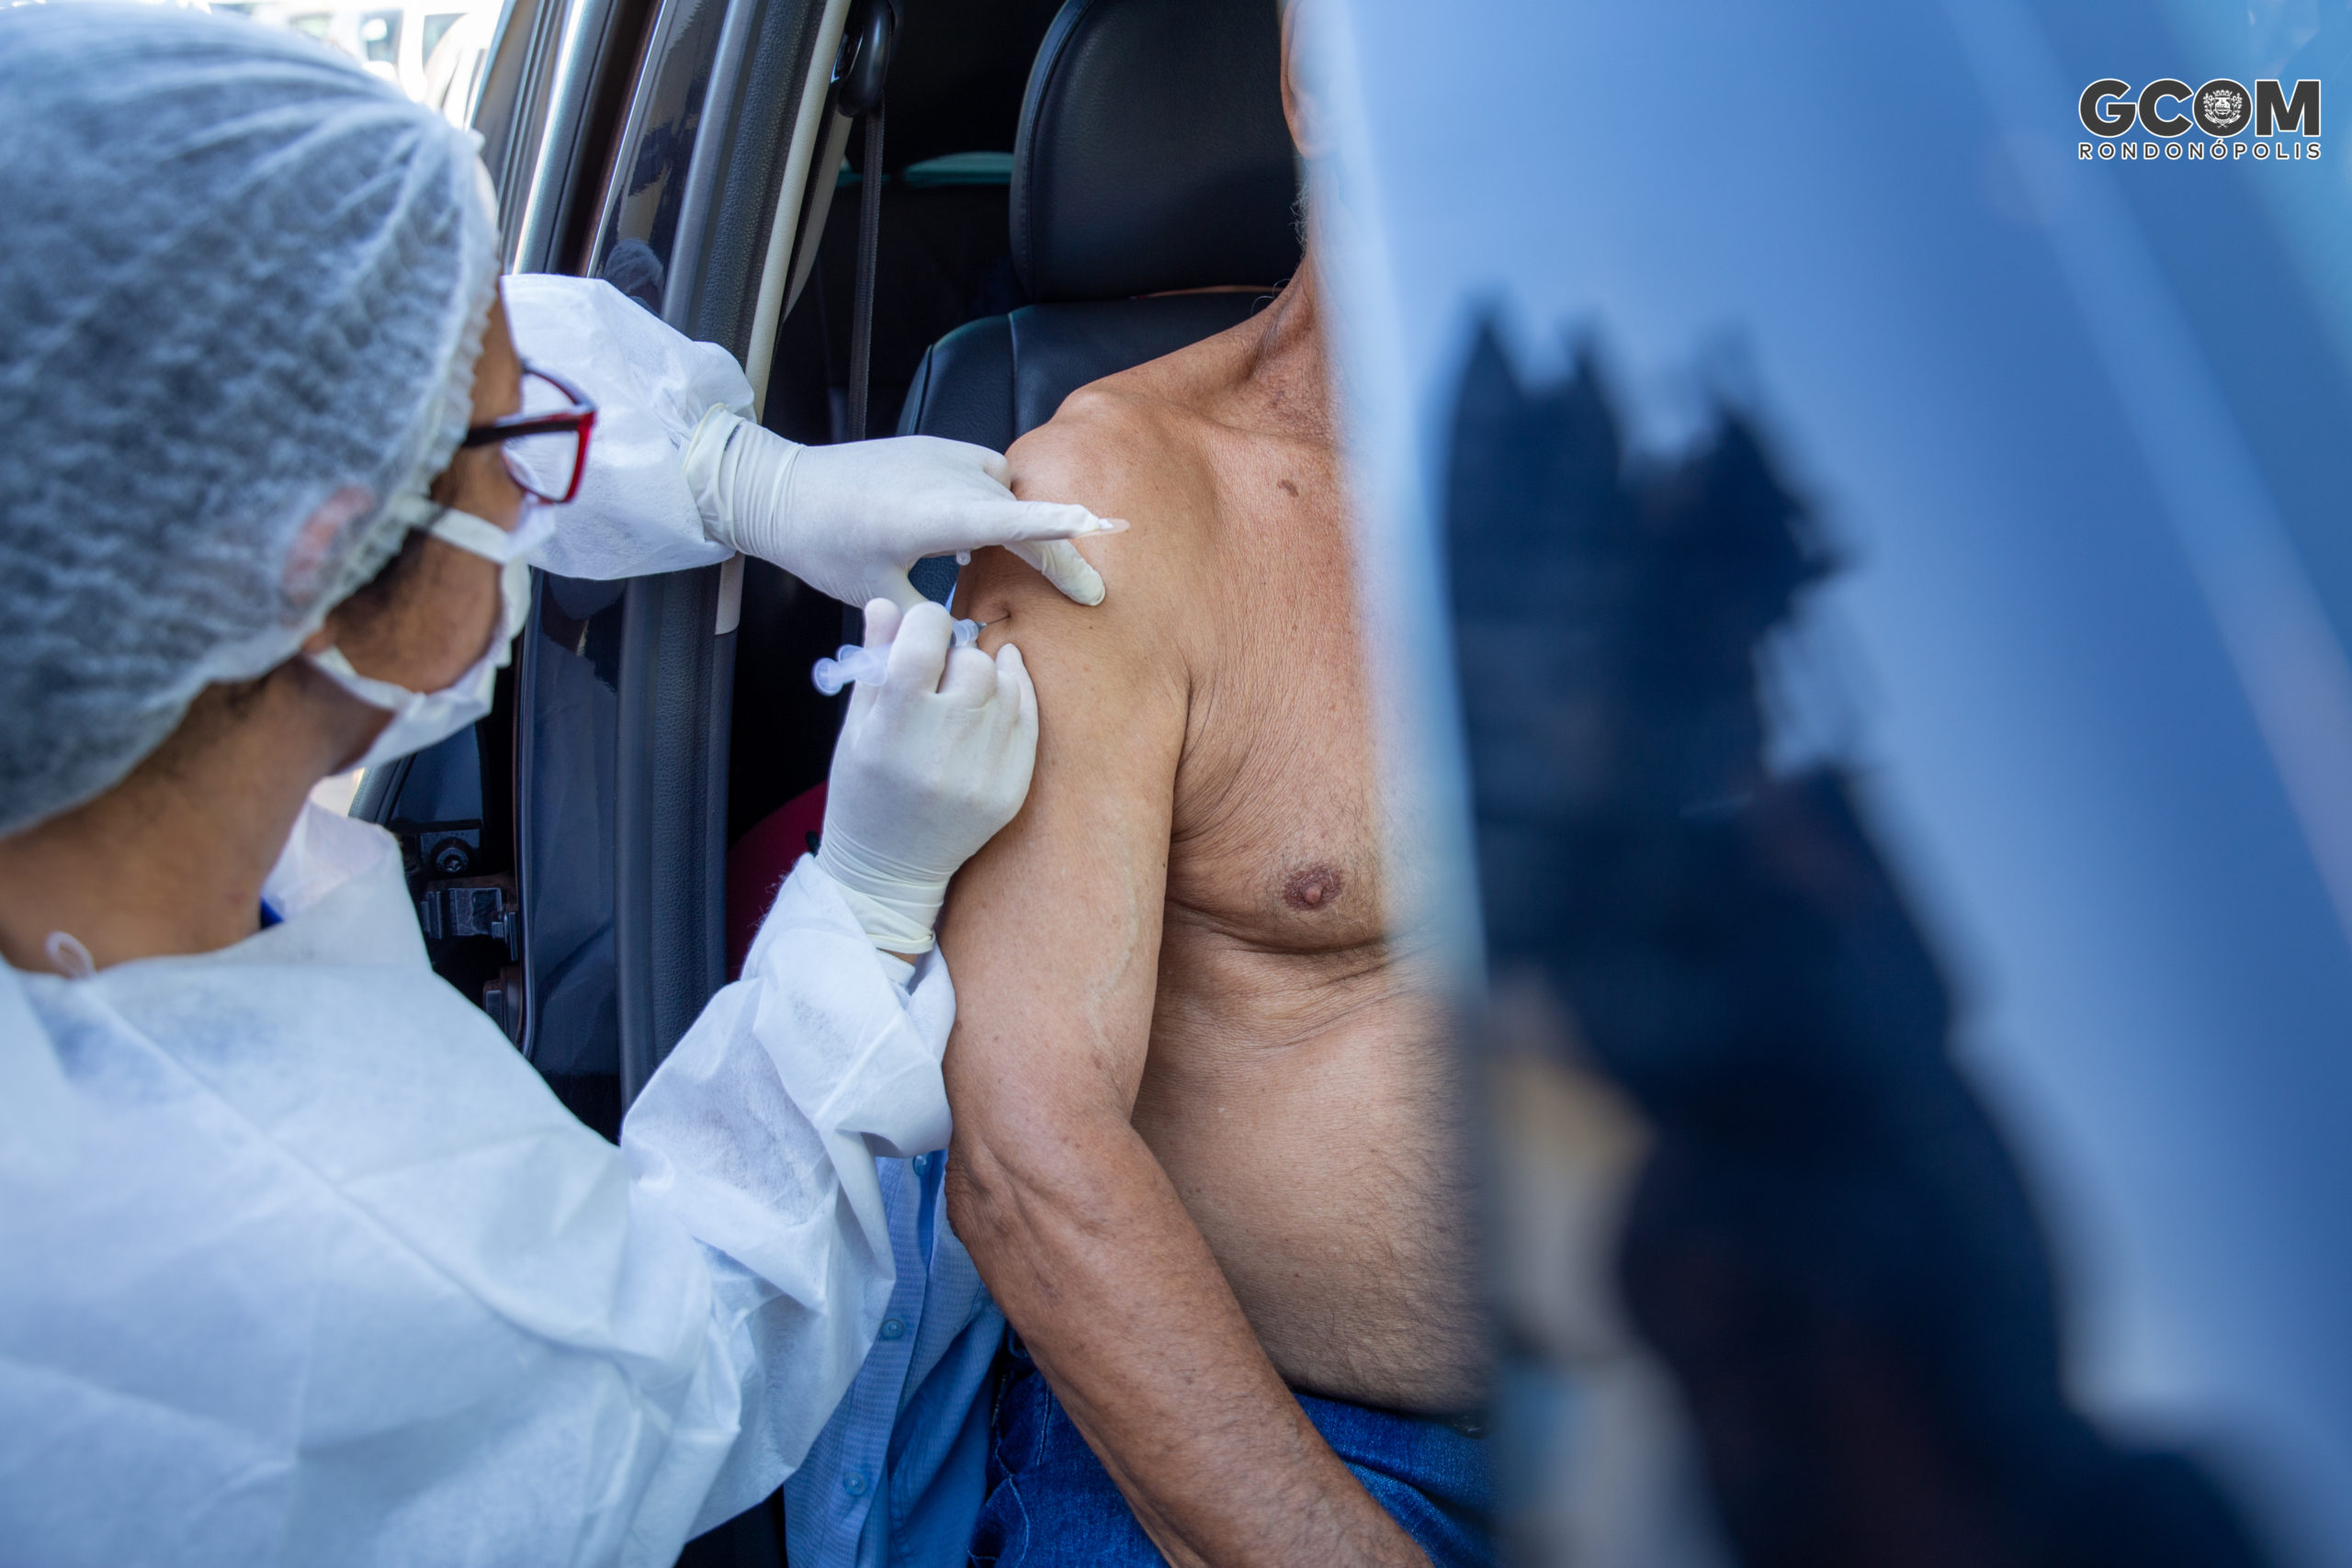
(422,718)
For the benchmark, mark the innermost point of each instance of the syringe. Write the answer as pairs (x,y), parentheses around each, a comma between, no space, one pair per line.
(852,662)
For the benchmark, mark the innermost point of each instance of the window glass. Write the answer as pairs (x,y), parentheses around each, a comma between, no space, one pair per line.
(649,183)
(1882,552)
(436,26)
(379,37)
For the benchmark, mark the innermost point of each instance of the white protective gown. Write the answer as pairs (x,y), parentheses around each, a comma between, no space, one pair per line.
(634,513)
(302,1263)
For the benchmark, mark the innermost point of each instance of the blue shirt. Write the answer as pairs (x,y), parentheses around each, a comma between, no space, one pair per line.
(895,1479)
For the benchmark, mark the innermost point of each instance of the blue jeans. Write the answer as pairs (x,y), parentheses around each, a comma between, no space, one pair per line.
(1051,1505)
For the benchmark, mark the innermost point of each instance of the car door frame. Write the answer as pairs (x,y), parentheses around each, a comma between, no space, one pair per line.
(562,112)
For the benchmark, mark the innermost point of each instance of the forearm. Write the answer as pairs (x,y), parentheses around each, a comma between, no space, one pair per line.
(1090,1252)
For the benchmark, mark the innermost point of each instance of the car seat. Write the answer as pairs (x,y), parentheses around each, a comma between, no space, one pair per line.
(1152,159)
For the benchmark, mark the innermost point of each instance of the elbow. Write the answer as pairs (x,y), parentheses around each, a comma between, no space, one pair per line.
(986,1201)
(1017,1202)
(973,1201)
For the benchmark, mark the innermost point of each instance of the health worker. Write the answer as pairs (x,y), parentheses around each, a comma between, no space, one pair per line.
(300,1261)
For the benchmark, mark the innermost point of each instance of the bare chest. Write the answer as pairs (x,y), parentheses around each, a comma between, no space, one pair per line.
(1298,1090)
(1277,840)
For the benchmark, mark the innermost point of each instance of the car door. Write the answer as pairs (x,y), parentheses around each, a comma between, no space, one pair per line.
(567,854)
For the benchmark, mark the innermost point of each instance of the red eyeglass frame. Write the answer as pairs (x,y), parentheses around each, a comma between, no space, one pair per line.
(580,417)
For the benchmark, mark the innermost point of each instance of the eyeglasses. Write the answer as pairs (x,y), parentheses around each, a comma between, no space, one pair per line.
(545,446)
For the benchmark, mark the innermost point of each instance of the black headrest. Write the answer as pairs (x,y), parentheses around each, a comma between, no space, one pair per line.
(1153,153)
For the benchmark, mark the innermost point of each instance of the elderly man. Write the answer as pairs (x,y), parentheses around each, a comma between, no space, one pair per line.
(1204,1147)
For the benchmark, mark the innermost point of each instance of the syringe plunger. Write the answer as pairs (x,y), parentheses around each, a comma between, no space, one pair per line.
(851,663)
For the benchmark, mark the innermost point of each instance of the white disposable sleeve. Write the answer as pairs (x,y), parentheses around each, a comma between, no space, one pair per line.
(651,385)
(758,1135)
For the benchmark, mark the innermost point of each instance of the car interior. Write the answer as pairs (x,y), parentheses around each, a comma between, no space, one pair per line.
(1066,192)
(1115,238)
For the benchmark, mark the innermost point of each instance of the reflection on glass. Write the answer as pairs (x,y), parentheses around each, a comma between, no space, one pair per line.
(650,185)
(1732,1120)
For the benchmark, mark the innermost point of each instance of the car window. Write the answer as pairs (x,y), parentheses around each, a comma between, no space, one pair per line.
(640,225)
(379,37)
(1901,597)
(435,26)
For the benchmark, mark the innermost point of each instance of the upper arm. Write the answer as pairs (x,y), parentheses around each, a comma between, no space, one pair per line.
(1052,932)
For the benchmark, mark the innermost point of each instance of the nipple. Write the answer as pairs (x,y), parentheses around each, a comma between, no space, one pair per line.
(1314,888)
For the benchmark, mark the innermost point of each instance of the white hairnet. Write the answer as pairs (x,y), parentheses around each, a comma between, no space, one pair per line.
(242,291)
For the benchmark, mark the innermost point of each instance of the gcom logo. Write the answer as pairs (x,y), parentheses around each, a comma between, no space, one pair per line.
(2221,108)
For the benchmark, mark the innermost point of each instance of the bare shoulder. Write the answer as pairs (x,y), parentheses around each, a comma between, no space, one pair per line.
(1121,452)
(1120,446)
(1113,686)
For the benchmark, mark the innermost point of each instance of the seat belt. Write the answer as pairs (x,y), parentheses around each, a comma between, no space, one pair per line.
(869,244)
(858,75)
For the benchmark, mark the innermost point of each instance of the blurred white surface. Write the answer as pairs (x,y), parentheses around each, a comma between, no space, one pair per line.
(335,794)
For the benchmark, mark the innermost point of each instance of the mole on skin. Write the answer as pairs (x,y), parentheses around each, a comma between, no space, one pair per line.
(1314,888)
(1288,486)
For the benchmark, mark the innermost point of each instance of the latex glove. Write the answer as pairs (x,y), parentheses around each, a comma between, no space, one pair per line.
(927,769)
(850,519)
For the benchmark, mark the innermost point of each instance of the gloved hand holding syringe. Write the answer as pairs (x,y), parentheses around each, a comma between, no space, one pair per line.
(933,759)
(851,663)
